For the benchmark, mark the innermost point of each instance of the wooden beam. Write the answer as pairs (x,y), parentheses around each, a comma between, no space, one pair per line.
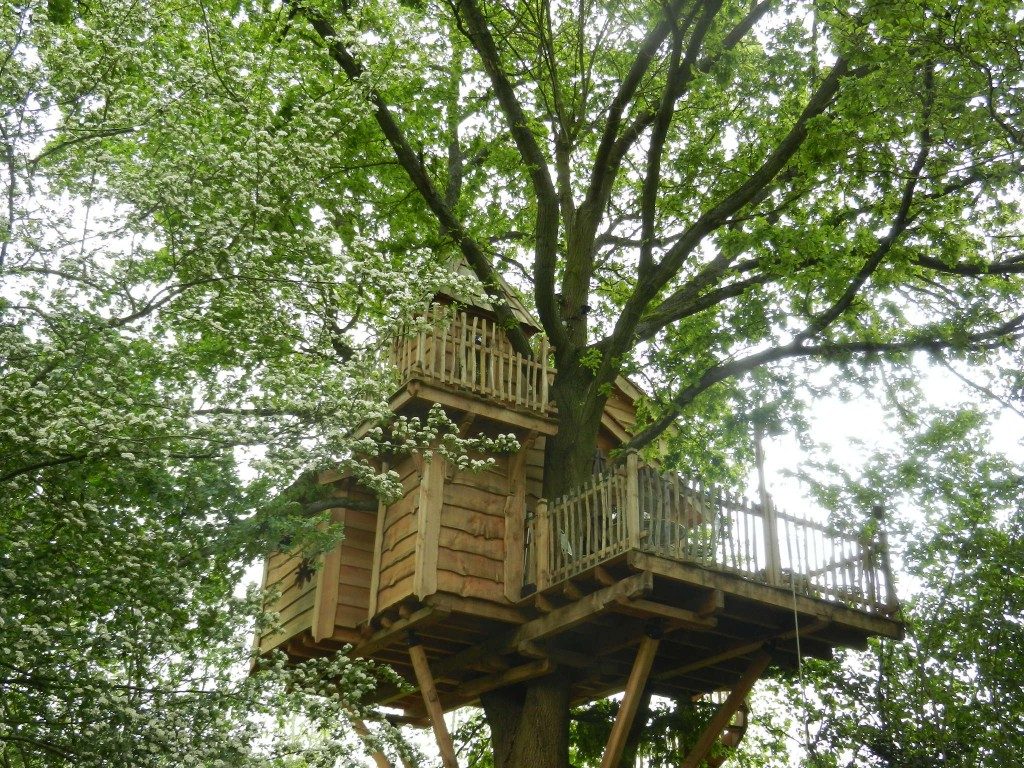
(471,690)
(569,616)
(602,577)
(679,618)
(571,591)
(503,413)
(777,597)
(366,736)
(562,657)
(630,701)
(515,521)
(721,718)
(559,620)
(542,604)
(385,637)
(432,703)
(736,651)
(713,603)
(477,607)
(378,548)
(428,525)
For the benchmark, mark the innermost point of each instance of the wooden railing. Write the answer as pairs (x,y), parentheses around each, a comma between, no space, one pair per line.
(472,353)
(639,507)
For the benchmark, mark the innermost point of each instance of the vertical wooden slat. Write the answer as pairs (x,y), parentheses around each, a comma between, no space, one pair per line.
(378,546)
(492,385)
(428,526)
(474,348)
(325,598)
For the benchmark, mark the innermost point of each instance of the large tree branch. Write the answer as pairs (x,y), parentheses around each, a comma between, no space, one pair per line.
(603,171)
(899,224)
(677,74)
(414,168)
(629,136)
(1012,328)
(624,332)
(479,35)
(1014,266)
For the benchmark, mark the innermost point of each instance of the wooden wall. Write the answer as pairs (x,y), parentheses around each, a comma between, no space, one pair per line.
(471,544)
(344,597)
(294,603)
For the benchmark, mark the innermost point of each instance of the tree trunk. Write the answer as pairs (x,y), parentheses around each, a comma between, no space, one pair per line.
(569,455)
(530,723)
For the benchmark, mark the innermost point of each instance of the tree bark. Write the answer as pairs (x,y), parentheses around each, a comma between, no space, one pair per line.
(530,723)
(569,454)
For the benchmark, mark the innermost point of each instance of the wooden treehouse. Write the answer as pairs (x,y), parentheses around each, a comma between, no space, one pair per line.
(472,581)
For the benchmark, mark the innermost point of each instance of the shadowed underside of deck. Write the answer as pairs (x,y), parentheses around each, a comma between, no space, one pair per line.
(711,625)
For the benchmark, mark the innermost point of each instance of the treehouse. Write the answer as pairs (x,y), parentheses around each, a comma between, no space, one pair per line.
(472,581)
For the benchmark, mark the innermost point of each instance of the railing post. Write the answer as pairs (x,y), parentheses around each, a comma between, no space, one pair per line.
(542,530)
(773,569)
(544,374)
(892,603)
(632,500)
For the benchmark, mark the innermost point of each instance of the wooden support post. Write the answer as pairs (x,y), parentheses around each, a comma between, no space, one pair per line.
(892,603)
(428,525)
(325,601)
(542,543)
(515,522)
(378,549)
(365,736)
(433,704)
(770,520)
(725,712)
(632,500)
(544,352)
(631,700)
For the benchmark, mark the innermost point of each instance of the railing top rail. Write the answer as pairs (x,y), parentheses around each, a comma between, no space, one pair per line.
(472,352)
(718,530)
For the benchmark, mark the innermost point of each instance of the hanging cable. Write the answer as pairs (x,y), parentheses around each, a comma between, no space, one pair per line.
(800,662)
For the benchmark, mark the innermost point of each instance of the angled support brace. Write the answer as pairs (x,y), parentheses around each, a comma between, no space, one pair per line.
(631,700)
(433,704)
(363,731)
(725,712)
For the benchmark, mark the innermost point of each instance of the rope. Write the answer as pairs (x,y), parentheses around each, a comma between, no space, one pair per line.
(800,662)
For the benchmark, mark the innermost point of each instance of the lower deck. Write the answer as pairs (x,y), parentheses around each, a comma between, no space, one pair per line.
(711,625)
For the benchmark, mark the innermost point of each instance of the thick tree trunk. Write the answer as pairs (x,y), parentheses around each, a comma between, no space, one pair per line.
(530,723)
(569,455)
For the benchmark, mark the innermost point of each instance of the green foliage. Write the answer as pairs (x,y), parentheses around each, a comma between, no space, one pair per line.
(950,692)
(207,241)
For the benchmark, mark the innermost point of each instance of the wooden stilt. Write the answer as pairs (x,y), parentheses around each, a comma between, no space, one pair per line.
(631,700)
(361,729)
(726,711)
(433,704)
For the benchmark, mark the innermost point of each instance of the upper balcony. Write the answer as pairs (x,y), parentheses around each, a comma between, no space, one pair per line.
(472,354)
(637,508)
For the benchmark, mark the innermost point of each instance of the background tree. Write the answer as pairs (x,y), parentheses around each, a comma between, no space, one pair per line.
(948,693)
(720,198)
